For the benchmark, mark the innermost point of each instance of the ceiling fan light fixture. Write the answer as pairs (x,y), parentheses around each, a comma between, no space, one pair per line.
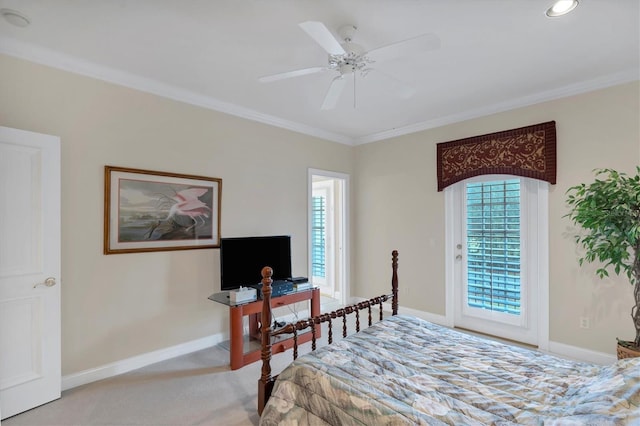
(561,7)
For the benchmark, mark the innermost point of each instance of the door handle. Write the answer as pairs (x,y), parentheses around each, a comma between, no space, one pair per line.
(49,282)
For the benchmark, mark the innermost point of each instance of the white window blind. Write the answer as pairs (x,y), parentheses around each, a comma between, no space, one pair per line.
(318,236)
(493,245)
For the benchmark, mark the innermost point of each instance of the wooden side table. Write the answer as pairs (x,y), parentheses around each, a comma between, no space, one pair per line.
(238,357)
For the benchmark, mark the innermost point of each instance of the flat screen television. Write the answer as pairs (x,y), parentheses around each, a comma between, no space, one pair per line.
(242,260)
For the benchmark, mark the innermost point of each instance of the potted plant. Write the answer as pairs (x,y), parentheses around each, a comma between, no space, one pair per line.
(608,211)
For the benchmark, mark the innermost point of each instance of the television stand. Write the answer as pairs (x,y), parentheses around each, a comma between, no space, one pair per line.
(238,358)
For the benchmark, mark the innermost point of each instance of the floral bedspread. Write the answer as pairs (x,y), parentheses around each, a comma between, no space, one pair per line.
(404,370)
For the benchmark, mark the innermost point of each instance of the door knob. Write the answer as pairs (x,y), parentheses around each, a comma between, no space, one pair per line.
(49,282)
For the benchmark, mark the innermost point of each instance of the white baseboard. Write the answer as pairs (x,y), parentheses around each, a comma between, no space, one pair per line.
(119,367)
(555,348)
(581,354)
(427,316)
(139,361)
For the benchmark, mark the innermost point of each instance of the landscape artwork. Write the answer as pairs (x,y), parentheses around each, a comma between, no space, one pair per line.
(151,211)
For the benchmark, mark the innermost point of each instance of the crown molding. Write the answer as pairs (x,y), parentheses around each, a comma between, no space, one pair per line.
(48,57)
(51,58)
(549,95)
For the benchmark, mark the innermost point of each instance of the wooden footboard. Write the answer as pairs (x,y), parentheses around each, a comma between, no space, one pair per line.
(265,384)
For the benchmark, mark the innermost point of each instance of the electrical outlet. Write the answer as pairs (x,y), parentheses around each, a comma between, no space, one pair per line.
(584,322)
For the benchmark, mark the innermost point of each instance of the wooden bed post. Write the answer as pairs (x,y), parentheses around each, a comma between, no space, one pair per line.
(394,282)
(265,384)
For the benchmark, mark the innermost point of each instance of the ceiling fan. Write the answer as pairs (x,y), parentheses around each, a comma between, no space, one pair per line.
(349,58)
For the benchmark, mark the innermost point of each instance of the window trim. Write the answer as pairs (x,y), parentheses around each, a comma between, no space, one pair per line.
(342,246)
(540,212)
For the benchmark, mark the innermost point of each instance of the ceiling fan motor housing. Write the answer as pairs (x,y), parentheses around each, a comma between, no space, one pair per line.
(347,32)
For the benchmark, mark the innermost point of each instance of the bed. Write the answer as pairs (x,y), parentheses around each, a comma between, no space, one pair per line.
(404,370)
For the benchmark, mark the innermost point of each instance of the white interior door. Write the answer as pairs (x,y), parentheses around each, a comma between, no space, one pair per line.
(30,367)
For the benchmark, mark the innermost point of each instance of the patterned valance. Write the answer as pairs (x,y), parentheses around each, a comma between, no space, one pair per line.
(528,151)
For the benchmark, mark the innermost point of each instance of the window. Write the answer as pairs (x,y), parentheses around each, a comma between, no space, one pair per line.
(497,229)
(318,236)
(493,245)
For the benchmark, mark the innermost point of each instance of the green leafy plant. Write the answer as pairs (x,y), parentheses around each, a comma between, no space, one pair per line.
(608,211)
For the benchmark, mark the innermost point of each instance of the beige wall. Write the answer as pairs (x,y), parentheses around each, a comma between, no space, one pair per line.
(118,306)
(397,206)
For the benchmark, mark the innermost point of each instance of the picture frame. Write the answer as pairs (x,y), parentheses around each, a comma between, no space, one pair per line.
(146,211)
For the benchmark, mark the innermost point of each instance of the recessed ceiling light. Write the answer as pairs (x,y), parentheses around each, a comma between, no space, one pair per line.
(15,18)
(561,7)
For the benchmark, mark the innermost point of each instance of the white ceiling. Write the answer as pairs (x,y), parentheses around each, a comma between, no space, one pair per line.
(494,55)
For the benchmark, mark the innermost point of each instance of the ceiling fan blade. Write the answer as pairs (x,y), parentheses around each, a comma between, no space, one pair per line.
(290,74)
(321,34)
(391,84)
(408,47)
(334,92)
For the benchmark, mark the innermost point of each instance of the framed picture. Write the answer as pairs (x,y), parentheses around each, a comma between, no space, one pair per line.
(154,211)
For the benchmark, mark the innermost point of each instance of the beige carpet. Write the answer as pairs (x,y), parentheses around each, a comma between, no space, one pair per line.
(194,389)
